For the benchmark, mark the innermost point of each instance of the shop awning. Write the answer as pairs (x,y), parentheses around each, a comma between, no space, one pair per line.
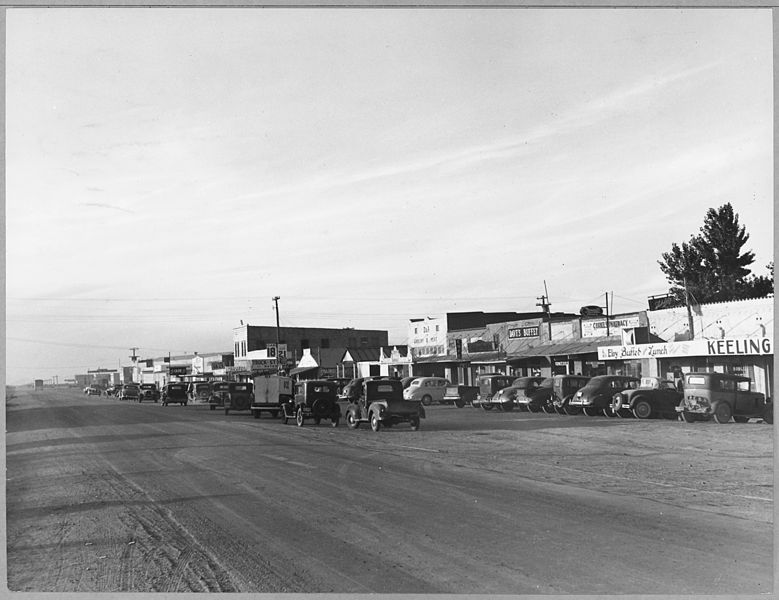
(297,370)
(572,347)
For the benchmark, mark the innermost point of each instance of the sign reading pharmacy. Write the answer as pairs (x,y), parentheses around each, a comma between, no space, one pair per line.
(612,325)
(723,347)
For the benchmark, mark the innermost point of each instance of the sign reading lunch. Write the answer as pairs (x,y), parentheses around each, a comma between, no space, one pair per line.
(723,347)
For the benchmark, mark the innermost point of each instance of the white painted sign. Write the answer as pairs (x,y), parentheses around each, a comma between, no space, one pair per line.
(722,347)
(597,327)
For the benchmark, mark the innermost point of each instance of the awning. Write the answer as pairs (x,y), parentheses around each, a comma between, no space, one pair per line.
(572,347)
(297,370)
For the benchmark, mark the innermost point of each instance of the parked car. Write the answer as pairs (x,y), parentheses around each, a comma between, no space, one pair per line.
(426,389)
(220,394)
(653,397)
(130,391)
(381,403)
(239,397)
(722,396)
(314,399)
(340,382)
(518,394)
(489,385)
(91,390)
(149,391)
(406,381)
(563,389)
(460,395)
(199,391)
(174,393)
(595,397)
(353,389)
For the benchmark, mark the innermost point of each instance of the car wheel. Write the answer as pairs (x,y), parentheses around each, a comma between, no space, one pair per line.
(723,412)
(688,417)
(299,418)
(533,408)
(351,420)
(375,422)
(642,410)
(608,412)
(486,406)
(508,407)
(335,421)
(591,411)
(414,423)
(459,403)
(548,407)
(573,410)
(426,400)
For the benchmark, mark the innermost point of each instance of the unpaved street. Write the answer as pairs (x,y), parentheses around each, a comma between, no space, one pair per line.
(107,496)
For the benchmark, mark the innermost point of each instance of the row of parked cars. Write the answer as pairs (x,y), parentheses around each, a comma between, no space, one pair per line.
(704,396)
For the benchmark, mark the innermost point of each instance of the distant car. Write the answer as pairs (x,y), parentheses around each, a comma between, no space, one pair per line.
(381,403)
(174,393)
(564,387)
(426,389)
(220,394)
(518,394)
(149,392)
(460,395)
(353,389)
(652,398)
(489,385)
(240,396)
(595,397)
(314,399)
(130,392)
(406,381)
(199,391)
(91,390)
(722,396)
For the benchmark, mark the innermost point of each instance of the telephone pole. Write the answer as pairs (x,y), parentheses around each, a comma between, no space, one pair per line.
(278,342)
(545,304)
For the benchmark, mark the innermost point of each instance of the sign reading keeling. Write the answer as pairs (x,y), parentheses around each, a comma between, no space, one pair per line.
(723,347)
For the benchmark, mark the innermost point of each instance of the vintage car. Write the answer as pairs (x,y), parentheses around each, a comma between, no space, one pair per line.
(199,391)
(314,399)
(174,393)
(653,397)
(240,395)
(353,389)
(460,395)
(91,390)
(271,392)
(220,391)
(381,403)
(489,385)
(595,397)
(518,394)
(563,389)
(426,389)
(149,391)
(130,391)
(722,396)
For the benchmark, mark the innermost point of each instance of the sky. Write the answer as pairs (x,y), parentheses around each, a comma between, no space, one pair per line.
(170,170)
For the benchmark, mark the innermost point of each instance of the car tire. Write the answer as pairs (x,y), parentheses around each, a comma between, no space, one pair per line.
(299,418)
(573,410)
(591,411)
(414,421)
(642,410)
(351,420)
(533,408)
(688,417)
(507,407)
(459,403)
(548,407)
(723,413)
(375,421)
(335,420)
(427,400)
(486,406)
(607,412)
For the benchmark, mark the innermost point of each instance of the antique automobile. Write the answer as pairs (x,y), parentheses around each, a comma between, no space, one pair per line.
(518,394)
(131,392)
(653,397)
(220,393)
(489,385)
(426,389)
(595,397)
(240,395)
(722,396)
(91,390)
(199,391)
(149,392)
(381,403)
(353,389)
(174,393)
(460,395)
(563,389)
(314,399)
(270,393)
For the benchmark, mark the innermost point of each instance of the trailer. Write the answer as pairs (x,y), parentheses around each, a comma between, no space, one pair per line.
(270,393)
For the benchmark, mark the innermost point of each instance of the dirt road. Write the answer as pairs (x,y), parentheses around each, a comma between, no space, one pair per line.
(106,496)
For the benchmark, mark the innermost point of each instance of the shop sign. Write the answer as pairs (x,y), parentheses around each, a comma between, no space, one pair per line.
(597,328)
(178,370)
(721,347)
(523,332)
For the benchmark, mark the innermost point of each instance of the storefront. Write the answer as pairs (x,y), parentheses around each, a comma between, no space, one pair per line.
(749,356)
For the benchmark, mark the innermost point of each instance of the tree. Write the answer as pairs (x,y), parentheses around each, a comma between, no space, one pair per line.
(758,286)
(711,266)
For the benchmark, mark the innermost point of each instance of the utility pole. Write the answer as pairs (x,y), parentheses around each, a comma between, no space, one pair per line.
(545,304)
(278,342)
(134,357)
(690,323)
